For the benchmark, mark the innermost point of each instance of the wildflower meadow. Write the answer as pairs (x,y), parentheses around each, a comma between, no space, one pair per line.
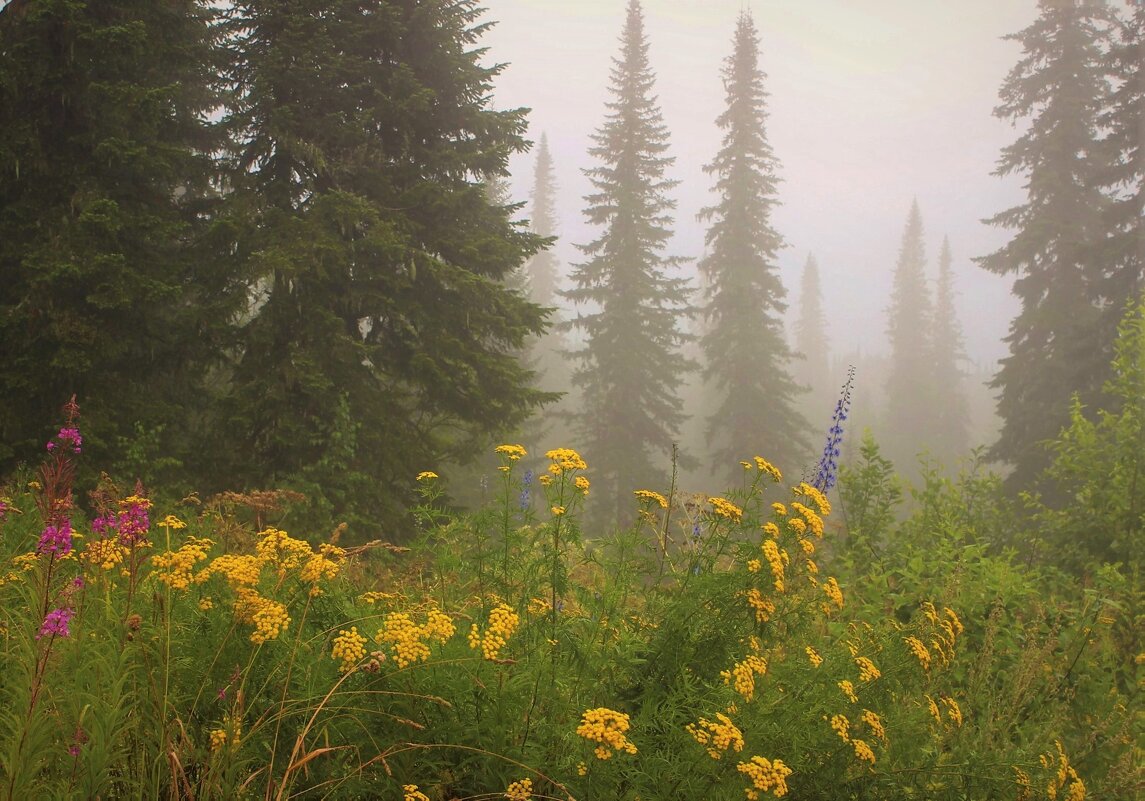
(741,645)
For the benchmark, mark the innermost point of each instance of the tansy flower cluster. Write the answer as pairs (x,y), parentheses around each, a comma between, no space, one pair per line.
(648,496)
(606,727)
(564,459)
(776,558)
(408,640)
(521,790)
(503,621)
(813,656)
(717,736)
(411,793)
(269,617)
(174,568)
(764,608)
(349,648)
(867,669)
(512,452)
(742,675)
(1065,773)
(919,650)
(765,775)
(723,508)
(833,592)
(768,469)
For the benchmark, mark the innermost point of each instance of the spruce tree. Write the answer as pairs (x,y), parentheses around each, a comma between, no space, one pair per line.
(1124,119)
(112,285)
(950,414)
(630,369)
(542,268)
(811,334)
(747,360)
(909,405)
(1059,342)
(381,337)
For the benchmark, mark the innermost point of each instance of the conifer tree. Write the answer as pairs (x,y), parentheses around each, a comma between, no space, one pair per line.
(1124,118)
(112,286)
(746,354)
(382,337)
(630,370)
(1059,343)
(542,267)
(811,333)
(910,399)
(950,414)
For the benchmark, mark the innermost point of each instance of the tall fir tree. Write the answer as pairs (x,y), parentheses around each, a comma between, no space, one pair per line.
(1124,119)
(630,369)
(747,359)
(910,399)
(950,415)
(382,337)
(543,267)
(1059,342)
(811,334)
(113,287)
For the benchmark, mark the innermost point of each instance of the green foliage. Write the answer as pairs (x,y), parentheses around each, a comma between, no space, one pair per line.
(870,493)
(1098,468)
(208,658)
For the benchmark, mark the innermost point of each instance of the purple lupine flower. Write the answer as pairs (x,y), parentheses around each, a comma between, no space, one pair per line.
(526,484)
(56,623)
(56,539)
(827,470)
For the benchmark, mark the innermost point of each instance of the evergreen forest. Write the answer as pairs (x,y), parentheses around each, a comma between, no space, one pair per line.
(324,475)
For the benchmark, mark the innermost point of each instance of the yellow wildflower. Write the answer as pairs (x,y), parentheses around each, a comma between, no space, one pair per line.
(848,690)
(350,648)
(867,669)
(765,775)
(953,711)
(919,650)
(582,484)
(503,621)
(717,736)
(646,496)
(754,565)
(813,656)
(933,707)
(520,790)
(426,475)
(218,739)
(172,522)
(565,459)
(606,727)
(174,568)
(764,608)
(742,675)
(875,723)
(842,727)
(775,558)
(770,529)
(834,593)
(863,751)
(411,793)
(816,497)
(722,507)
(513,452)
(779,509)
(767,467)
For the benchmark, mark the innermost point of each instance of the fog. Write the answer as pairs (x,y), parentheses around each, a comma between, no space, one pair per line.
(871,104)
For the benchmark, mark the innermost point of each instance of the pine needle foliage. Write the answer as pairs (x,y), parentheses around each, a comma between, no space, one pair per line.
(747,359)
(909,406)
(1059,343)
(629,304)
(376,257)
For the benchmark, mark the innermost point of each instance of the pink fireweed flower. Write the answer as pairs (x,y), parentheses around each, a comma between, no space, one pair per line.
(56,623)
(71,435)
(56,539)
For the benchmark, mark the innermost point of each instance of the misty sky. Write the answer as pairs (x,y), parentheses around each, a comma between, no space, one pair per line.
(872,103)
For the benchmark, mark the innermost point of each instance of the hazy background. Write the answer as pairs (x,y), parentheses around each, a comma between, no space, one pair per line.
(871,103)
